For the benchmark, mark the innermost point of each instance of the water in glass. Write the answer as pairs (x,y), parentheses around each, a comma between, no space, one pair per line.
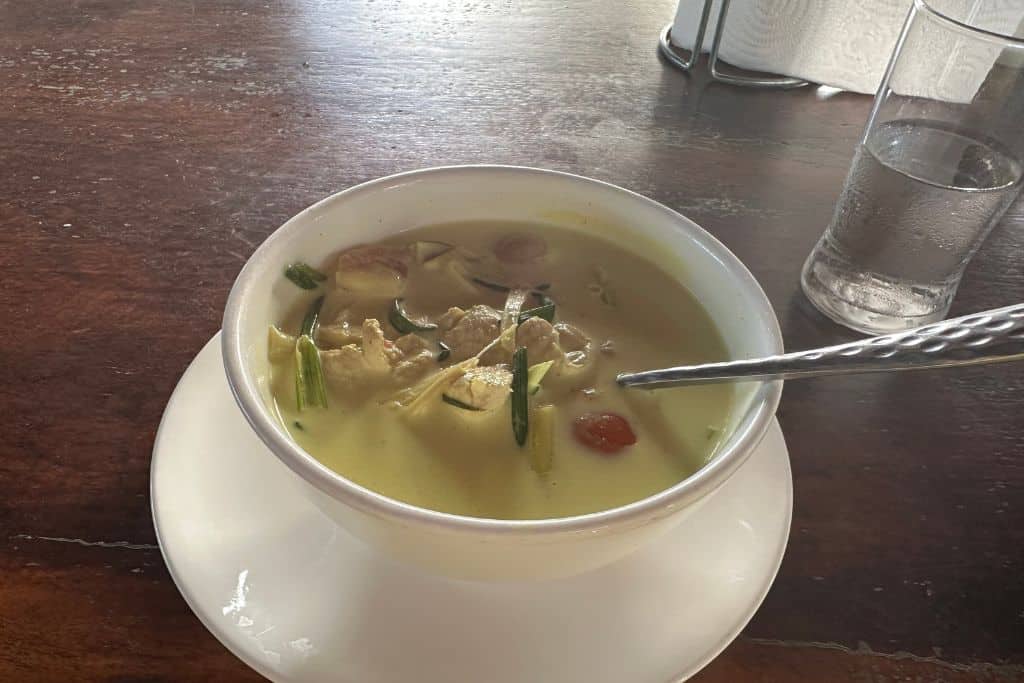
(918,201)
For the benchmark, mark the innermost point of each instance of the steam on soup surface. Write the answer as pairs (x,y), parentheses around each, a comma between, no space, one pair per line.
(470,368)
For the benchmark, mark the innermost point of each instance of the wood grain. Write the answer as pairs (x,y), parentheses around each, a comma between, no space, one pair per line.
(148,147)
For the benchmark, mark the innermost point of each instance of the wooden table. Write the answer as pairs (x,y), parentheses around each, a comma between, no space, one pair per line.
(148,148)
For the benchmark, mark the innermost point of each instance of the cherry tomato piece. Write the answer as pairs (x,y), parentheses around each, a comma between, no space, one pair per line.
(603,432)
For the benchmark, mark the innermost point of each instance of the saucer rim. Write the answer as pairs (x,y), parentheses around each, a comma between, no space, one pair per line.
(225,636)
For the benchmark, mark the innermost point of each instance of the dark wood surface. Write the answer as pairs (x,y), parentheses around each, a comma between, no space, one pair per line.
(149,146)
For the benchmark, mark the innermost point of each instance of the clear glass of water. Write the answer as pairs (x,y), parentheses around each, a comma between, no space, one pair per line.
(938,165)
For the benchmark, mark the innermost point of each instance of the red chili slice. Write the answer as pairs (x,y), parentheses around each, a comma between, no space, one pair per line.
(367,256)
(520,248)
(604,432)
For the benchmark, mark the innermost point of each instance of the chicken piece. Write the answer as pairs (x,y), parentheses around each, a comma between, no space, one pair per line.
(415,359)
(411,344)
(378,352)
(476,329)
(578,364)
(450,317)
(482,388)
(496,355)
(413,367)
(337,335)
(540,339)
(352,366)
(345,368)
(571,338)
(373,271)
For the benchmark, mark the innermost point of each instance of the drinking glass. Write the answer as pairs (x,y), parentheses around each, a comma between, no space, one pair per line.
(937,166)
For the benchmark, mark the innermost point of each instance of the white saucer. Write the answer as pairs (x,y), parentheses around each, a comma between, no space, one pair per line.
(298,599)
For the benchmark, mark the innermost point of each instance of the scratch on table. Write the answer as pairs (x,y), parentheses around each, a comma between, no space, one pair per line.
(723,206)
(91,544)
(237,234)
(863,649)
(224,63)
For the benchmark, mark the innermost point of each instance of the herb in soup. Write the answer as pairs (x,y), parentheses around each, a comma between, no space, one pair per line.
(304,275)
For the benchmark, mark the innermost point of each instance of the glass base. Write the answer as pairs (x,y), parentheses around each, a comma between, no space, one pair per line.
(870,303)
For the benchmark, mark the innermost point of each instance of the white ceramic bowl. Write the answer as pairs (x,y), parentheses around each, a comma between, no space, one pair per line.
(469,547)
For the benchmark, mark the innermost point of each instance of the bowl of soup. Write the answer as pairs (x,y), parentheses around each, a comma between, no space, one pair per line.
(434,355)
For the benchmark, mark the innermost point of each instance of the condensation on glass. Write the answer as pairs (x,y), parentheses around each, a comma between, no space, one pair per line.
(938,165)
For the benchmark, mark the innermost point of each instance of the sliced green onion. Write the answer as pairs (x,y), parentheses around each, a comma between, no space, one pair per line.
(535,375)
(312,318)
(402,322)
(445,351)
(546,311)
(542,439)
(310,387)
(457,403)
(304,275)
(520,396)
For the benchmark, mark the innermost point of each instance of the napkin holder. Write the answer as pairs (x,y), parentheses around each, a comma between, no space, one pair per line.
(676,56)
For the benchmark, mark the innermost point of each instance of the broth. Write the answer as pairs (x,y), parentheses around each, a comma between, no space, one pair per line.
(415,428)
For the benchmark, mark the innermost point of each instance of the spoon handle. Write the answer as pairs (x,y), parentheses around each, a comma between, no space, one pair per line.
(988,337)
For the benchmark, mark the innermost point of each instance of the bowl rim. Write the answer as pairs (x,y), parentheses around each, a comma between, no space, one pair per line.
(745,437)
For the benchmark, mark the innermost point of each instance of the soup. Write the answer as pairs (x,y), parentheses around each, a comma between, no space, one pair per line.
(470,368)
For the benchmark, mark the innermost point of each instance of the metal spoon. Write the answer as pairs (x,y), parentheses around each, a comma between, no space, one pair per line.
(992,336)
